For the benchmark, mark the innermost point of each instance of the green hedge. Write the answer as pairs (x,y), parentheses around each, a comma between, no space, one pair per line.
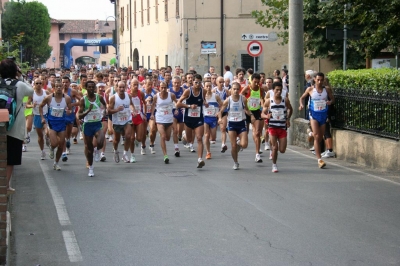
(367,101)
(366,79)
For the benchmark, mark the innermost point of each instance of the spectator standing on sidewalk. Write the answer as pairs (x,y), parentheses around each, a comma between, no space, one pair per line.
(16,135)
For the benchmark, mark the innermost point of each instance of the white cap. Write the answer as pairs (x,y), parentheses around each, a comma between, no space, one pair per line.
(207,75)
(100,84)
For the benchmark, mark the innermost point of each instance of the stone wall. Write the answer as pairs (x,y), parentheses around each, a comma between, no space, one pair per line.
(363,149)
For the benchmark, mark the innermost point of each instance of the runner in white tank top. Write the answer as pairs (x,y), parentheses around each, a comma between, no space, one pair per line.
(41,129)
(120,108)
(163,102)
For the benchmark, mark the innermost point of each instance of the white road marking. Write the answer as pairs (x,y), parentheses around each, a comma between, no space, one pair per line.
(350,169)
(72,246)
(56,195)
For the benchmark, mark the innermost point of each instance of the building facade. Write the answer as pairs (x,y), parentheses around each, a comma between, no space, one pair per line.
(64,31)
(156,33)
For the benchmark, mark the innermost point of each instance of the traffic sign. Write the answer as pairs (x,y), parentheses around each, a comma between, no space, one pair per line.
(254,36)
(53,59)
(254,48)
(208,47)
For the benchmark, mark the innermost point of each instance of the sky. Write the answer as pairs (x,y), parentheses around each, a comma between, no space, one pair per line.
(78,9)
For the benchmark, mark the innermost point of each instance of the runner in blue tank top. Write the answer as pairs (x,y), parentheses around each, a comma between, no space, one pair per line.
(193,117)
(318,111)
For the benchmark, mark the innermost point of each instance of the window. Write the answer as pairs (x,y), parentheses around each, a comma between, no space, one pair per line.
(165,10)
(84,36)
(141,12)
(156,10)
(103,63)
(148,62)
(157,66)
(248,62)
(166,60)
(122,19)
(62,36)
(84,48)
(148,12)
(134,13)
(127,17)
(177,8)
(103,49)
(62,48)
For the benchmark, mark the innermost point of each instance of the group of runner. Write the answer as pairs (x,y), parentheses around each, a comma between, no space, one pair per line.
(127,108)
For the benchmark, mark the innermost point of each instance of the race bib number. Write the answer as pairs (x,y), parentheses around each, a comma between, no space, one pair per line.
(164,110)
(254,102)
(123,116)
(94,115)
(319,105)
(235,116)
(148,108)
(137,108)
(278,114)
(194,112)
(211,111)
(57,112)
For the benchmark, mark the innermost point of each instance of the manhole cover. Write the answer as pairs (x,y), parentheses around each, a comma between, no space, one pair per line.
(178,174)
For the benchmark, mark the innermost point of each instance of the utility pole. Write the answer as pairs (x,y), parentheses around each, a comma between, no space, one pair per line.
(296,59)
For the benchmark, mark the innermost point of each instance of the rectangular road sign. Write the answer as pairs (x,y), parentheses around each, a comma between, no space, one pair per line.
(208,47)
(254,36)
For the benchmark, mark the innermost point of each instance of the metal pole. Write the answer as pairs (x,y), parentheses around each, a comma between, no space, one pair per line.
(254,64)
(296,60)
(345,41)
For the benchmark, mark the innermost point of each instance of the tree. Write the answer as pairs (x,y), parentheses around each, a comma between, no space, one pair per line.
(30,19)
(378,20)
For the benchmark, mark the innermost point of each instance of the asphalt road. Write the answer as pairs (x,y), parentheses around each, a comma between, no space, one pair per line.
(149,213)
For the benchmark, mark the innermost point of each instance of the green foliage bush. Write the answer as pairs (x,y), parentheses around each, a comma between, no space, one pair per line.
(366,79)
(367,101)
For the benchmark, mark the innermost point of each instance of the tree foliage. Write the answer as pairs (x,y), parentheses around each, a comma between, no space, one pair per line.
(379,21)
(30,19)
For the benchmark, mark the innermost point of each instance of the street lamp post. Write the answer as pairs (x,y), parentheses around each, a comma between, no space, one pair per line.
(115,38)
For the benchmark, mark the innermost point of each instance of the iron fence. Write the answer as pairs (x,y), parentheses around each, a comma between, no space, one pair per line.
(371,112)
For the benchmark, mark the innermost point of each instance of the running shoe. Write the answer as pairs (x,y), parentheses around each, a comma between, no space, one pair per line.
(200,163)
(312,148)
(116,156)
(110,139)
(24,148)
(81,135)
(274,168)
(192,149)
(67,151)
(177,152)
(321,164)
(123,141)
(328,154)
(258,158)
(143,151)
(64,157)
(102,157)
(91,173)
(43,155)
(75,141)
(125,158)
(133,159)
(260,151)
(28,139)
(152,151)
(235,166)
(68,144)
(51,153)
(187,146)
(262,139)
(224,148)
(166,159)
(96,155)
(267,147)
(212,141)
(208,156)
(56,167)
